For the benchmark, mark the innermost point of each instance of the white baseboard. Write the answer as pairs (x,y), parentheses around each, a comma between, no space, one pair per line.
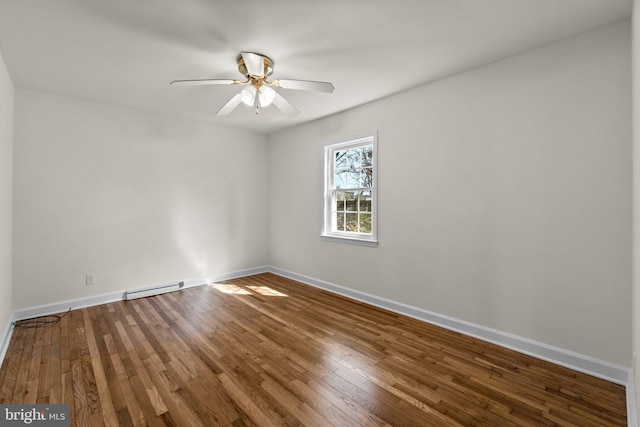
(59,307)
(74,304)
(6,337)
(579,362)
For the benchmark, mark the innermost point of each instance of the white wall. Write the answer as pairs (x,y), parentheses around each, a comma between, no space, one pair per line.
(136,198)
(6,196)
(504,197)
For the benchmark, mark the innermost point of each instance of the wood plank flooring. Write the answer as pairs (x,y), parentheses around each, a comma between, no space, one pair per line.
(267,351)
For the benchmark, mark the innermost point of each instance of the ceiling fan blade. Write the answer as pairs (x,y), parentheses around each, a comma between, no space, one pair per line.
(285,106)
(254,63)
(204,82)
(305,85)
(230,105)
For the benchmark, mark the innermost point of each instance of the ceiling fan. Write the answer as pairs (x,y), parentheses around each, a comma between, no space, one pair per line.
(258,91)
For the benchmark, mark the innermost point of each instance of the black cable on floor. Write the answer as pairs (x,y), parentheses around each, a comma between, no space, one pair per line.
(39,321)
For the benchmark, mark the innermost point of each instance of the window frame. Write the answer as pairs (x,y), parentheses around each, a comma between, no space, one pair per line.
(330,148)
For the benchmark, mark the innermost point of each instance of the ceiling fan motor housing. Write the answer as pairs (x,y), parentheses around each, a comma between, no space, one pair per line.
(268,65)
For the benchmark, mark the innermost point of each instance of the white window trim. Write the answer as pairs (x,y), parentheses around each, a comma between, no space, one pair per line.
(369,138)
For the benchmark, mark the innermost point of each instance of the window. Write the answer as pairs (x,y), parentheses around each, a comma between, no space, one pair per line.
(350,196)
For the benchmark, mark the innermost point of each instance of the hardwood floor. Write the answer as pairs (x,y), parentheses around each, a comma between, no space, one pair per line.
(264,350)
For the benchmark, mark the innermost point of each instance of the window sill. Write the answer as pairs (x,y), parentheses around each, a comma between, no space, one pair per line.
(349,240)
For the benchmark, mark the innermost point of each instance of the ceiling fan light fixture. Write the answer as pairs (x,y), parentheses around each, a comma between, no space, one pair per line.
(266,95)
(248,96)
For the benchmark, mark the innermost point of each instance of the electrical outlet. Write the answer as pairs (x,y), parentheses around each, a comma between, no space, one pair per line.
(90,279)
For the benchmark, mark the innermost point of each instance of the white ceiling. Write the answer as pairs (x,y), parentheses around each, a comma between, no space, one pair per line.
(125,52)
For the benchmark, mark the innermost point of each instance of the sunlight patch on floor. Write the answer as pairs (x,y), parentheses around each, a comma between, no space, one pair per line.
(230,289)
(238,290)
(267,291)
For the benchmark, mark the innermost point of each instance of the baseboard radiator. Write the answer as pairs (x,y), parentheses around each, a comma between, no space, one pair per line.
(155,290)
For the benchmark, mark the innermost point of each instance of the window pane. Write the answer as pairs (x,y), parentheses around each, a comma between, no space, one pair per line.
(367,177)
(341,180)
(353,168)
(353,179)
(353,158)
(351,222)
(351,201)
(341,160)
(344,199)
(367,156)
(361,178)
(365,201)
(339,221)
(365,223)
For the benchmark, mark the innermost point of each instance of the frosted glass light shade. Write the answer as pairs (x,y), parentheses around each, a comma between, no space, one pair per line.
(266,95)
(248,95)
